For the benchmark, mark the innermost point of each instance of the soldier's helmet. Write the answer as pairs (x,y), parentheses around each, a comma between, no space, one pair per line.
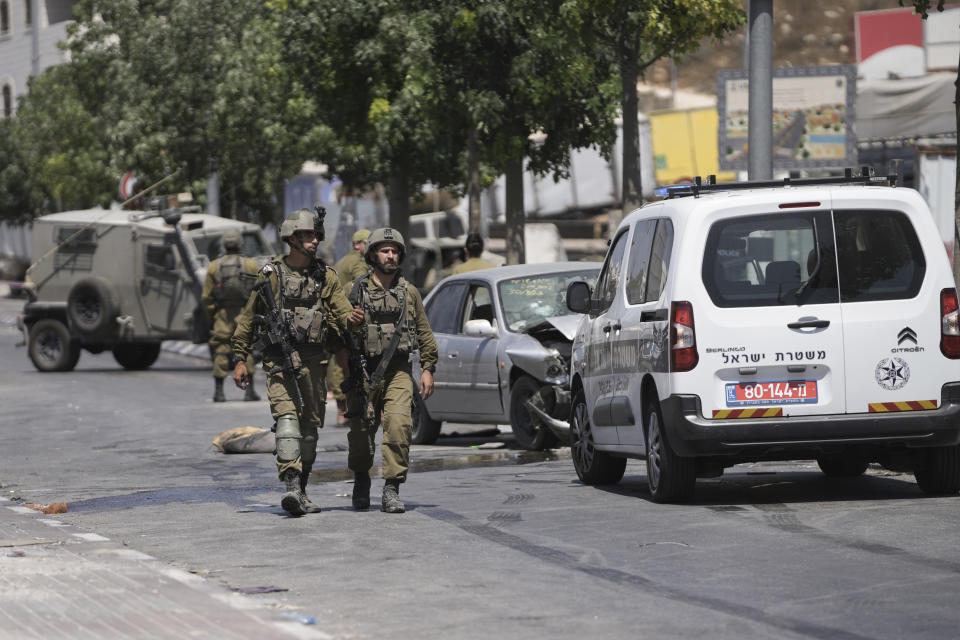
(232,239)
(378,237)
(301,220)
(361,235)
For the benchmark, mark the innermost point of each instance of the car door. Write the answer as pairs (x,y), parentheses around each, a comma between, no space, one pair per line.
(472,360)
(644,338)
(444,312)
(604,328)
(770,338)
(891,309)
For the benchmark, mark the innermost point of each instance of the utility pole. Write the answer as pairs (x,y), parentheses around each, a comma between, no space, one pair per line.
(760,127)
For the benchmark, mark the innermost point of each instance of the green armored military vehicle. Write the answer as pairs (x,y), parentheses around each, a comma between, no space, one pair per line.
(121,280)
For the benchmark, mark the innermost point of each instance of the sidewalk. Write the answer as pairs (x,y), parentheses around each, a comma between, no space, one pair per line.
(57,581)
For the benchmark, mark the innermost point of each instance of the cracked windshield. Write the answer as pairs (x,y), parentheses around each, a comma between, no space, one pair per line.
(529,300)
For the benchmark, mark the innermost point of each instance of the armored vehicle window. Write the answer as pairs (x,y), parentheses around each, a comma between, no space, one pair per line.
(160,258)
(771,260)
(75,248)
(418,229)
(450,226)
(880,256)
(606,289)
(443,312)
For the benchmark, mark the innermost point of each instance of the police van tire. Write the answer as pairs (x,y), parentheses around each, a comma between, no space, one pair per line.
(592,466)
(671,478)
(527,434)
(136,356)
(426,430)
(842,467)
(51,348)
(92,307)
(938,471)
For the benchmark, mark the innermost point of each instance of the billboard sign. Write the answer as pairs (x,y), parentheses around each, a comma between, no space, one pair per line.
(813,114)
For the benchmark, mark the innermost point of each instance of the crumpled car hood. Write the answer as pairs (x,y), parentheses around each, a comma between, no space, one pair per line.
(567,325)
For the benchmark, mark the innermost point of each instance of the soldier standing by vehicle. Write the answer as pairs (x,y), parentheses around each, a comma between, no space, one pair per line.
(226,290)
(348,268)
(394,326)
(299,311)
(473,247)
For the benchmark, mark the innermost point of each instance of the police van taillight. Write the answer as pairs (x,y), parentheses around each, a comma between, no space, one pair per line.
(683,344)
(949,324)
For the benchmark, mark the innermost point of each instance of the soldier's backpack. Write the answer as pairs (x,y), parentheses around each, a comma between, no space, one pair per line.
(233,283)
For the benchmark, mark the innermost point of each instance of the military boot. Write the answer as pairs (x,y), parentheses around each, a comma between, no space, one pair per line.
(250,394)
(361,490)
(218,390)
(391,498)
(293,500)
(309,506)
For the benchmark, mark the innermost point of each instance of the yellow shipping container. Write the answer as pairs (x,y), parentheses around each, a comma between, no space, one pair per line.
(685,146)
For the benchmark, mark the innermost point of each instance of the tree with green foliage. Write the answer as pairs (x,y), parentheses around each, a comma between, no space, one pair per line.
(641,33)
(16,197)
(923,7)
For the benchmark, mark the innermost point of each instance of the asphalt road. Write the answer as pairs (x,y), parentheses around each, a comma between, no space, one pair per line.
(496,543)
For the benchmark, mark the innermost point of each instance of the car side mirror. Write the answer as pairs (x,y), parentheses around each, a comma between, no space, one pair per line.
(480,329)
(578,297)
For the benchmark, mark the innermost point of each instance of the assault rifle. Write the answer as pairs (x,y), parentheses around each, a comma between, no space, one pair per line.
(276,330)
(356,384)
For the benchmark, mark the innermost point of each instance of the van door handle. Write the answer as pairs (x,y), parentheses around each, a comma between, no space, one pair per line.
(809,324)
(617,327)
(606,328)
(453,355)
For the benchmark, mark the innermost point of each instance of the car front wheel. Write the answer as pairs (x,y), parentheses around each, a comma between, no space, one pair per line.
(529,434)
(592,466)
(670,477)
(426,430)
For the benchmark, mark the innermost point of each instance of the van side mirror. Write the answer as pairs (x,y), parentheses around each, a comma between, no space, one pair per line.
(578,297)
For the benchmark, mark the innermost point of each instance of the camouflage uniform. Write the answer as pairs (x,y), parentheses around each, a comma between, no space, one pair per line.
(226,290)
(319,310)
(472,264)
(391,403)
(348,268)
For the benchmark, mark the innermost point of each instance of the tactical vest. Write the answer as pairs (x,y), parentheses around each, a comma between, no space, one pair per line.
(233,283)
(382,310)
(299,298)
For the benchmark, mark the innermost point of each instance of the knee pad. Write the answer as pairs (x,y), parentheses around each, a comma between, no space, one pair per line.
(288,438)
(308,451)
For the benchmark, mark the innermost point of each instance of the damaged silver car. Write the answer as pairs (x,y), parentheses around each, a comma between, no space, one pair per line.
(504,336)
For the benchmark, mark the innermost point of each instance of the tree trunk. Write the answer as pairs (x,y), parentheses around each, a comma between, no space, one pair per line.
(515,214)
(632,187)
(473,184)
(398,199)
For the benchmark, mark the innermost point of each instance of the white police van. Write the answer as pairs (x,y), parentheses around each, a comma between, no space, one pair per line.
(806,319)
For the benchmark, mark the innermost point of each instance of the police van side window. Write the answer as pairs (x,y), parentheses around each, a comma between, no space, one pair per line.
(443,311)
(643,233)
(880,256)
(771,260)
(659,260)
(610,275)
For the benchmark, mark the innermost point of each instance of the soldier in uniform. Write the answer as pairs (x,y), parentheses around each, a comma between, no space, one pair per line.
(473,247)
(311,300)
(226,290)
(394,326)
(349,268)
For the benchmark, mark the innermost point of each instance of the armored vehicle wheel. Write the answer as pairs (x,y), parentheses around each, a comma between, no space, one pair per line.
(527,432)
(671,478)
(842,467)
(592,466)
(51,347)
(426,430)
(92,307)
(137,356)
(938,471)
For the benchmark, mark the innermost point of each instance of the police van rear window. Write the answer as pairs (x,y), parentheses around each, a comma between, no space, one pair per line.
(880,256)
(771,260)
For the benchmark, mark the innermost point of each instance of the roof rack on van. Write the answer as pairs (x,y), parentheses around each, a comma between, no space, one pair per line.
(866,177)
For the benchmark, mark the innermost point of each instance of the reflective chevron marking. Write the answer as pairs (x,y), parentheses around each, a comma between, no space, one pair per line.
(910,405)
(748,413)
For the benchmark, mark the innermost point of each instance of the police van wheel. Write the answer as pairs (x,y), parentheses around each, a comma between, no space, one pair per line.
(528,433)
(670,477)
(842,467)
(136,356)
(426,430)
(51,348)
(592,466)
(92,307)
(938,470)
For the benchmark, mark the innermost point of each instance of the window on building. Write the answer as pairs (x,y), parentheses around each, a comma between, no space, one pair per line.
(58,11)
(7,101)
(28,12)
(4,19)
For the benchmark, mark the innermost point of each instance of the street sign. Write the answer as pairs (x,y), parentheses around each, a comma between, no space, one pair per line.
(127,184)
